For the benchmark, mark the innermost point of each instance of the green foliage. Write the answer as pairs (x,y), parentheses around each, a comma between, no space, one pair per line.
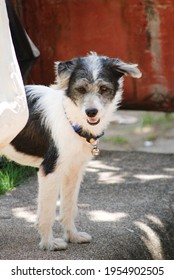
(119,140)
(151,119)
(12,174)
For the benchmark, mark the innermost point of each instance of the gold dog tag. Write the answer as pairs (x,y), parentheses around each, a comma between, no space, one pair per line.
(95,151)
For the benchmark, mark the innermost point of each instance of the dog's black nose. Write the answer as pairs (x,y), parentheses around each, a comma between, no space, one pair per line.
(91,112)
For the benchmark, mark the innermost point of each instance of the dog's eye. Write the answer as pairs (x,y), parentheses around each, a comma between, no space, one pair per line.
(81,89)
(103,89)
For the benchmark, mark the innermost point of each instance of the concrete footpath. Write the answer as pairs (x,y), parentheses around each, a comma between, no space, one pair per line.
(126,203)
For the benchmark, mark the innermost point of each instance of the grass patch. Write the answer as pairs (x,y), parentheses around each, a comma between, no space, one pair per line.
(118,140)
(151,119)
(12,175)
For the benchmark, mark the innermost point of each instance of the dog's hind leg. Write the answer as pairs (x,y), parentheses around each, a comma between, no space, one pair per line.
(47,198)
(68,207)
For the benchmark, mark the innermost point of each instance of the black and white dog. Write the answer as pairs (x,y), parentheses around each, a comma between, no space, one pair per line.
(61,135)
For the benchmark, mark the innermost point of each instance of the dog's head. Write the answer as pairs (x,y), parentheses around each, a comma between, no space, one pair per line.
(94,85)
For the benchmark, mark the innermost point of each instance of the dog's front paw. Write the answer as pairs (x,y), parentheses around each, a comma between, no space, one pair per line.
(54,245)
(78,237)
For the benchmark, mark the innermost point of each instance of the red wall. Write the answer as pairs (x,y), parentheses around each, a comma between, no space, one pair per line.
(139,31)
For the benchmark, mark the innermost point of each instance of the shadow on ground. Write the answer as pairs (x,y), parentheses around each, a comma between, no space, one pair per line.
(126,203)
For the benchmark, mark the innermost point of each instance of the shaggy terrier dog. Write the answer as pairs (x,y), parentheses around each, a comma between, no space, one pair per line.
(65,122)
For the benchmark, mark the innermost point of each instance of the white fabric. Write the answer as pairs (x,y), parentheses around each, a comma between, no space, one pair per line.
(13,105)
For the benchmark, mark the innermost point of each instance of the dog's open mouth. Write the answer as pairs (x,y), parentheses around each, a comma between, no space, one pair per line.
(93,121)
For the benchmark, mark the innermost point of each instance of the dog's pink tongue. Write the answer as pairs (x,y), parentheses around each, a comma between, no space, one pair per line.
(93,120)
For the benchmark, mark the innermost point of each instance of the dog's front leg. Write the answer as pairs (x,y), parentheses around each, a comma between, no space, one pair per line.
(47,198)
(68,207)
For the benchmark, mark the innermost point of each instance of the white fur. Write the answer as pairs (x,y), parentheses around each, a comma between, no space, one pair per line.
(21,158)
(94,64)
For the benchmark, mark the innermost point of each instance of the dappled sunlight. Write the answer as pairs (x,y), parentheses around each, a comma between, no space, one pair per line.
(104,216)
(24,213)
(151,240)
(106,174)
(96,165)
(110,178)
(150,237)
(58,203)
(169,169)
(148,177)
(91,169)
(155,220)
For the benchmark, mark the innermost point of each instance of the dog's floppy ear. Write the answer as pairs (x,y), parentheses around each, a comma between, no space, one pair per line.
(126,68)
(65,67)
(63,72)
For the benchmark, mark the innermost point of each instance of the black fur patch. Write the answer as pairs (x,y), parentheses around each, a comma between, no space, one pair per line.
(50,159)
(35,139)
(109,74)
(80,71)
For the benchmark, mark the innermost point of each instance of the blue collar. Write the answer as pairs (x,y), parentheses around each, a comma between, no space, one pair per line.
(88,136)
(79,130)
